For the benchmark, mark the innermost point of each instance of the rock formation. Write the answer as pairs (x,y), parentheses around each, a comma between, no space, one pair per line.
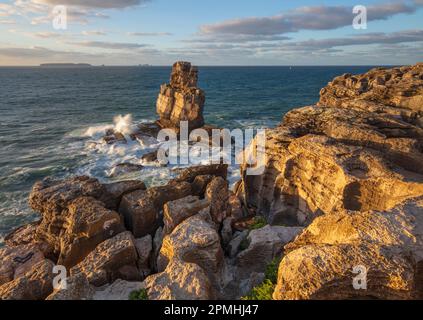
(342,193)
(181,100)
(351,170)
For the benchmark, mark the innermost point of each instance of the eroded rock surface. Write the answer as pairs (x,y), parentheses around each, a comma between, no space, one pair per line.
(181,100)
(350,166)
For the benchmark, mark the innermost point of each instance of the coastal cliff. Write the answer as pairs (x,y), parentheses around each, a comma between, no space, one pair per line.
(342,189)
(350,170)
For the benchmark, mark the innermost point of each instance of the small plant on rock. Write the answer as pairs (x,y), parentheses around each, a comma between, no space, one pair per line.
(138,295)
(264,291)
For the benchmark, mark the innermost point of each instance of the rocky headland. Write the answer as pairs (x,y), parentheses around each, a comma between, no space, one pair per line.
(342,188)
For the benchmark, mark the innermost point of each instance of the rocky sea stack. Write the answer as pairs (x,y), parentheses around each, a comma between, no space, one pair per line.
(341,196)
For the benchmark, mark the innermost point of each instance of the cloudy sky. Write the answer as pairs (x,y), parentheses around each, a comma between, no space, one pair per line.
(211,32)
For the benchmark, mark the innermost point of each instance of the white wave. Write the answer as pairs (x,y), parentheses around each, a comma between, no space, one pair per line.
(96,131)
(124,124)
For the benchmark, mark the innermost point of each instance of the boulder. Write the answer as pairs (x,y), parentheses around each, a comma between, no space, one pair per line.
(217,193)
(226,231)
(384,246)
(195,240)
(233,246)
(144,248)
(117,291)
(177,211)
(87,223)
(77,213)
(265,244)
(142,209)
(35,284)
(180,281)
(190,174)
(17,261)
(77,288)
(115,258)
(125,168)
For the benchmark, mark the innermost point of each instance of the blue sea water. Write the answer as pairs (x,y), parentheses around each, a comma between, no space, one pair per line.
(52,119)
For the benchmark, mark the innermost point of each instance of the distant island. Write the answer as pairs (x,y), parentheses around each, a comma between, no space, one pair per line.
(65,65)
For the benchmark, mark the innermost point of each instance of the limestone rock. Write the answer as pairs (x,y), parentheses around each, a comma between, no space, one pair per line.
(181,100)
(87,223)
(141,209)
(350,152)
(217,193)
(180,281)
(196,241)
(144,248)
(125,168)
(265,244)
(77,214)
(233,246)
(112,259)
(17,261)
(226,232)
(177,211)
(320,263)
(77,288)
(36,284)
(192,173)
(117,291)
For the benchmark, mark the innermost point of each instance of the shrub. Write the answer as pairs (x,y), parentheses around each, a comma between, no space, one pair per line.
(265,290)
(259,222)
(138,295)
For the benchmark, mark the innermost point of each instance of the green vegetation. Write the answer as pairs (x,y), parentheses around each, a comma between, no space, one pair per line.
(259,222)
(138,295)
(265,290)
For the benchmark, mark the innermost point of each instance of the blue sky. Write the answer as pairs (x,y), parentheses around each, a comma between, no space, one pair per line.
(218,32)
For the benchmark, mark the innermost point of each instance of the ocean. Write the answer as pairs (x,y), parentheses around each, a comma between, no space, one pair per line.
(52,120)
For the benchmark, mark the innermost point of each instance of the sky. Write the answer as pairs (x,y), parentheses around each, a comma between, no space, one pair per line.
(210,32)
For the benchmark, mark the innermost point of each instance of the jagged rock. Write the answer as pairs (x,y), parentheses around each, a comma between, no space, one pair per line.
(226,232)
(339,156)
(112,259)
(319,263)
(125,168)
(181,100)
(144,248)
(86,224)
(118,291)
(17,261)
(235,206)
(77,288)
(392,91)
(22,235)
(195,241)
(265,244)
(157,245)
(190,174)
(177,211)
(200,183)
(76,214)
(217,193)
(233,246)
(180,281)
(141,209)
(118,189)
(36,284)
